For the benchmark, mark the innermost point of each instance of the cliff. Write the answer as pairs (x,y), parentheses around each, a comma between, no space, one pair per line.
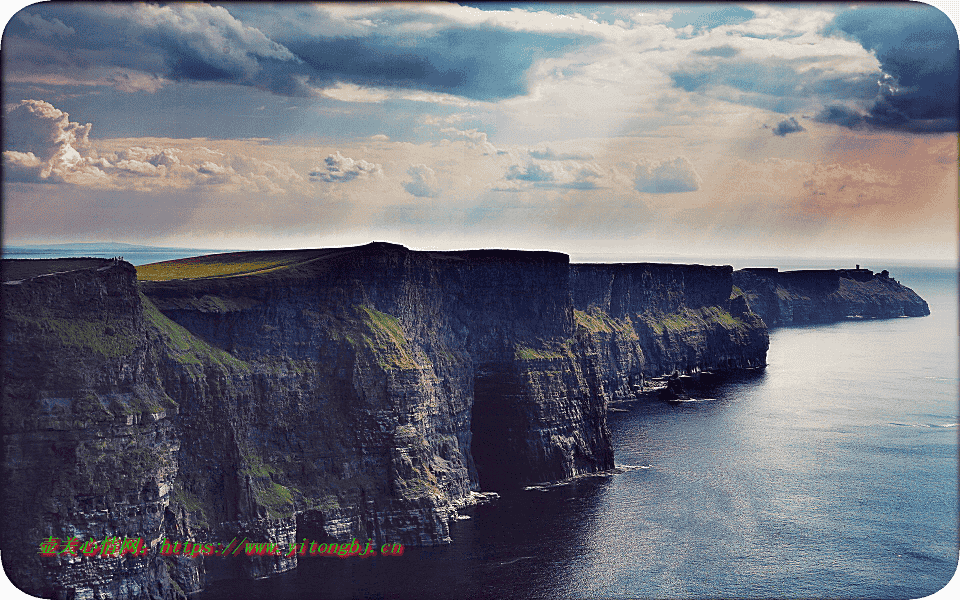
(825,296)
(648,320)
(324,394)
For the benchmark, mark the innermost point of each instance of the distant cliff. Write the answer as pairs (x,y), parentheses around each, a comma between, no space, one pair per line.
(329,394)
(825,296)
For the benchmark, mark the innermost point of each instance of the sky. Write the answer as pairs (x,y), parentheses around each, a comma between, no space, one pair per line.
(634,130)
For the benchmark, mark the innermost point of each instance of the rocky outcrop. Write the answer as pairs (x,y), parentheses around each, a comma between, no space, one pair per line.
(825,296)
(362,392)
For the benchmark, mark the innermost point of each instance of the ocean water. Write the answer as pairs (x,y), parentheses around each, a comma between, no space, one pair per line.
(830,474)
(135,255)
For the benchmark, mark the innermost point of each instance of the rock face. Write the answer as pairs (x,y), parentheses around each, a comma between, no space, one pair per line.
(362,392)
(648,320)
(826,296)
(90,438)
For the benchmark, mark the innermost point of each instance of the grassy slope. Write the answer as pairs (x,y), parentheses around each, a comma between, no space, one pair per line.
(231,264)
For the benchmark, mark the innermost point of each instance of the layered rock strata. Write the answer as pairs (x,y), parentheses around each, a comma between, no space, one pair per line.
(649,320)
(784,298)
(362,392)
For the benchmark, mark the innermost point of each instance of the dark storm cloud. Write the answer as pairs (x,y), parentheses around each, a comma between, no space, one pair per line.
(787,126)
(479,63)
(199,42)
(841,115)
(779,85)
(184,42)
(917,48)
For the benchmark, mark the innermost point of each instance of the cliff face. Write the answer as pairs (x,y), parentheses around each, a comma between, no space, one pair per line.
(362,392)
(649,320)
(826,296)
(90,441)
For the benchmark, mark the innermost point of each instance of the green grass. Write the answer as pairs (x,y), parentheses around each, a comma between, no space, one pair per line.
(277,499)
(690,319)
(180,269)
(382,336)
(193,505)
(183,346)
(108,337)
(255,467)
(525,353)
(230,264)
(597,321)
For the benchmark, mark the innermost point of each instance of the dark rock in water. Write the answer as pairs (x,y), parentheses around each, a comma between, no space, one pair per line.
(674,389)
(825,296)
(365,392)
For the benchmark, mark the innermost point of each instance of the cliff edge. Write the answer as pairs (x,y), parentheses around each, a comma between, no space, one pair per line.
(326,394)
(783,298)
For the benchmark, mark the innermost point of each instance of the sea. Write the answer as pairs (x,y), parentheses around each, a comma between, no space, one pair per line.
(831,473)
(133,253)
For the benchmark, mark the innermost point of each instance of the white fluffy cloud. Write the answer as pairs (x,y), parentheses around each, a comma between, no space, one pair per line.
(552,174)
(666,177)
(44,146)
(338,167)
(473,137)
(424,183)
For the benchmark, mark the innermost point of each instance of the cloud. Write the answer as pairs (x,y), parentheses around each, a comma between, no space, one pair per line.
(917,47)
(721,51)
(532,172)
(708,16)
(838,114)
(474,137)
(666,177)
(173,42)
(786,126)
(853,190)
(306,52)
(42,145)
(40,128)
(338,167)
(44,28)
(547,153)
(551,175)
(424,184)
(789,77)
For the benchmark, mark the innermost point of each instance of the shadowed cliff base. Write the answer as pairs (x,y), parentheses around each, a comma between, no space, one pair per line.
(364,392)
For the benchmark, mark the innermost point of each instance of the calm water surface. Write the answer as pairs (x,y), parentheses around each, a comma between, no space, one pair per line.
(833,473)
